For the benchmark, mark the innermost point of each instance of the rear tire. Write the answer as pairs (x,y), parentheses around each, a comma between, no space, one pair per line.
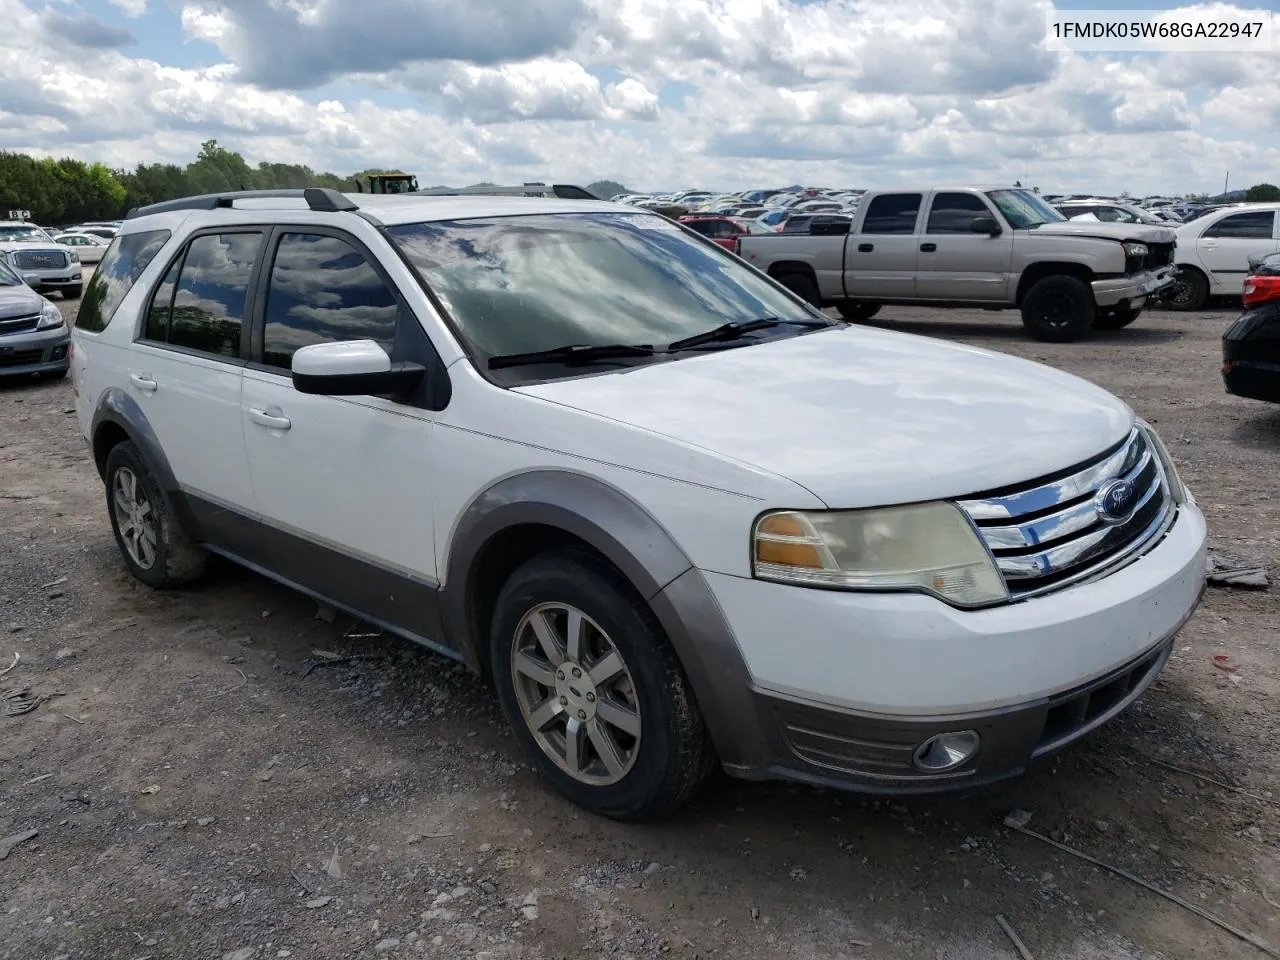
(1190,291)
(855,310)
(1058,309)
(803,286)
(1116,318)
(153,545)
(609,716)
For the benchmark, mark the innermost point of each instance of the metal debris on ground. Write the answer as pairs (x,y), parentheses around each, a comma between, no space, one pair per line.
(327,659)
(19,700)
(1012,822)
(1232,570)
(17,658)
(8,843)
(1012,935)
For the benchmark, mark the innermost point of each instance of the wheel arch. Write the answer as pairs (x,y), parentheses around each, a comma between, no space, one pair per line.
(118,418)
(1036,272)
(529,513)
(523,515)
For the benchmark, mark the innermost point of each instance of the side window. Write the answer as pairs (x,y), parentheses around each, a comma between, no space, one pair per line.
(209,299)
(700,226)
(161,305)
(322,289)
(1254,225)
(122,263)
(892,213)
(953,213)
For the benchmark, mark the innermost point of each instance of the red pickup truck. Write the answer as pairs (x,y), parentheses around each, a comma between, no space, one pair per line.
(726,231)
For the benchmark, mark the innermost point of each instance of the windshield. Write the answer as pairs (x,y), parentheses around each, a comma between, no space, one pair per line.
(21,232)
(1023,209)
(523,284)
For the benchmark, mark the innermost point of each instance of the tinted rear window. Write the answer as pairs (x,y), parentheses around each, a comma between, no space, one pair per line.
(122,264)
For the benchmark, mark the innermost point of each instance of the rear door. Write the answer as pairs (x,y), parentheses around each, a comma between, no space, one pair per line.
(880,259)
(1226,246)
(957,264)
(186,367)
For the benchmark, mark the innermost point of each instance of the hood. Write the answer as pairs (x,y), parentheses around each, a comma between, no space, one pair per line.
(12,246)
(1141,232)
(19,301)
(862,417)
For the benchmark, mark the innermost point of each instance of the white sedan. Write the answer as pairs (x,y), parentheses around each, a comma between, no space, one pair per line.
(89,247)
(1214,250)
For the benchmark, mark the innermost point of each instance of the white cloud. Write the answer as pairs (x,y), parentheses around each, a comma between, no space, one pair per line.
(656,93)
(131,8)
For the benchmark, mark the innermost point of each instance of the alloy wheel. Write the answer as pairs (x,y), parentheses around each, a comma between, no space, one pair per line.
(576,694)
(135,518)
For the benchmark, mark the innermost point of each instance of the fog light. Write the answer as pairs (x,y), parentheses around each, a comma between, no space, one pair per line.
(946,751)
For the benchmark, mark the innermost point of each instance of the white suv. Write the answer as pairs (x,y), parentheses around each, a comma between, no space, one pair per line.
(681,518)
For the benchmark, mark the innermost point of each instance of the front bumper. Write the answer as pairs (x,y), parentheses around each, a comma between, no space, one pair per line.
(846,687)
(45,351)
(1123,291)
(59,279)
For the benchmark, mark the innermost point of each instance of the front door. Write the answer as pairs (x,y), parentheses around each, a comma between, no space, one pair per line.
(343,482)
(880,258)
(186,369)
(954,262)
(1226,246)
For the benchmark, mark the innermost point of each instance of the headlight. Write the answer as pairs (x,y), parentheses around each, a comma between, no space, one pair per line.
(50,316)
(1135,249)
(927,547)
(73,257)
(1177,488)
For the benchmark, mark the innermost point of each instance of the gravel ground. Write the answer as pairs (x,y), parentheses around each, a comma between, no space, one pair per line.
(199,794)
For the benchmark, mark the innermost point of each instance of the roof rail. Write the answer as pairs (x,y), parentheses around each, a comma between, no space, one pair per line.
(320,199)
(565,191)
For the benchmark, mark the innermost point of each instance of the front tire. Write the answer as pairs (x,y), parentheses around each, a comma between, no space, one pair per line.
(154,548)
(1116,318)
(593,690)
(803,286)
(855,310)
(1190,291)
(73,293)
(1058,309)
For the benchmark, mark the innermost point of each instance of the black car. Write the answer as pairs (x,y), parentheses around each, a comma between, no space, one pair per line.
(1251,348)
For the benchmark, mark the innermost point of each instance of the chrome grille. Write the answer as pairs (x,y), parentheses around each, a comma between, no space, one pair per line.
(38,259)
(1057,531)
(19,324)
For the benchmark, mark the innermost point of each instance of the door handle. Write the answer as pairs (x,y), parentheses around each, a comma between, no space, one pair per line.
(269,418)
(866,247)
(144,381)
(928,247)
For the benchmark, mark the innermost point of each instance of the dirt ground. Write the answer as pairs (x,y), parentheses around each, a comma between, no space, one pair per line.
(199,794)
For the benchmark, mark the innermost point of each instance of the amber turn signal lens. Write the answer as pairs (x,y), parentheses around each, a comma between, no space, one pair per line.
(782,525)
(788,554)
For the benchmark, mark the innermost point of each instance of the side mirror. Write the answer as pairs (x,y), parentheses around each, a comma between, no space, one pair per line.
(31,279)
(352,368)
(985,225)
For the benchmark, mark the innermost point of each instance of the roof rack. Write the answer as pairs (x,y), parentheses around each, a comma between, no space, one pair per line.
(565,191)
(320,199)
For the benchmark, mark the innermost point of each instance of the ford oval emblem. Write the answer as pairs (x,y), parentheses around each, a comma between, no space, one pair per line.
(1116,500)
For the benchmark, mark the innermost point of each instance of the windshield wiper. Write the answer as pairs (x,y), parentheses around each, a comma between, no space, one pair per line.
(572,353)
(736,328)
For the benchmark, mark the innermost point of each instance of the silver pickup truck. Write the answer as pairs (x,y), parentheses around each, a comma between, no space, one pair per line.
(976,247)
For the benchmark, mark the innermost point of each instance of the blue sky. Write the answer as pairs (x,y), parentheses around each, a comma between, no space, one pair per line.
(656,93)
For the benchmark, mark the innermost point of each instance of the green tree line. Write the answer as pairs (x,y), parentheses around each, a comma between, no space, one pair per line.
(67,191)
